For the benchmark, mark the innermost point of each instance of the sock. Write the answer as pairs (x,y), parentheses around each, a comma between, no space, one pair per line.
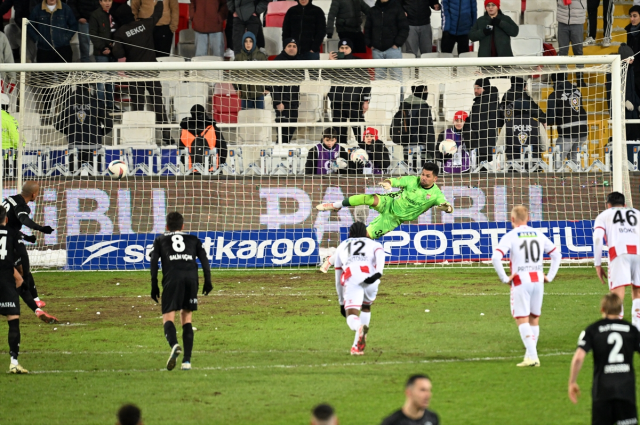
(27,297)
(355,200)
(527,338)
(622,312)
(365,318)
(36,299)
(170,333)
(536,334)
(187,341)
(28,278)
(14,361)
(635,319)
(14,338)
(354,323)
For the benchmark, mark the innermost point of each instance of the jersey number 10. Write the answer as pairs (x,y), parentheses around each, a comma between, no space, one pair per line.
(532,248)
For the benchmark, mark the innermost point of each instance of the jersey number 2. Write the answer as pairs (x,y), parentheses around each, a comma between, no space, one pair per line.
(531,249)
(177,243)
(615,339)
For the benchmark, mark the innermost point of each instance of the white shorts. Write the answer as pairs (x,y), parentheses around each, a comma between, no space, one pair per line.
(624,270)
(355,295)
(526,299)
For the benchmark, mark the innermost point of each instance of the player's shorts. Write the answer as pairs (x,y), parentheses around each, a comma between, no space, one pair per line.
(21,255)
(386,221)
(526,299)
(180,294)
(614,412)
(9,298)
(624,270)
(358,294)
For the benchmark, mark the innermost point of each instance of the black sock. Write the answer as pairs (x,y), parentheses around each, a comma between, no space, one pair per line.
(26,296)
(187,341)
(170,333)
(32,285)
(14,337)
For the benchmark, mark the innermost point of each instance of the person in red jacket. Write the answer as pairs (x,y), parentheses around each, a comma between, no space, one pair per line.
(207,20)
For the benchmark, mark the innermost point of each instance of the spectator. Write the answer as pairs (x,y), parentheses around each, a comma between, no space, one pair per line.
(592,24)
(21,9)
(458,19)
(385,31)
(102,26)
(565,111)
(129,414)
(347,15)
(378,154)
(415,409)
(481,128)
(571,19)
(138,46)
(349,103)
(413,125)
(245,16)
(6,56)
(164,27)
(10,136)
(323,414)
(82,9)
(286,99)
(228,33)
(252,97)
(494,31)
(632,100)
(306,23)
(633,40)
(207,20)
(418,15)
(516,103)
(327,157)
(459,161)
(197,130)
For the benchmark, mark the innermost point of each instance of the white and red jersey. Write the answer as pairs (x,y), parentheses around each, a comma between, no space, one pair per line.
(356,259)
(619,227)
(527,247)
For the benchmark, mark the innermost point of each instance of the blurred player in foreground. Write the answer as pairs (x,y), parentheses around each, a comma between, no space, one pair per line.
(178,252)
(323,414)
(527,277)
(359,263)
(618,225)
(415,409)
(613,342)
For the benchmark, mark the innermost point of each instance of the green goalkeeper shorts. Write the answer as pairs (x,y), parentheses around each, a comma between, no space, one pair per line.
(386,221)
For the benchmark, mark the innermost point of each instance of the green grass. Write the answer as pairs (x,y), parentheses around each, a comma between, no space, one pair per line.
(270,345)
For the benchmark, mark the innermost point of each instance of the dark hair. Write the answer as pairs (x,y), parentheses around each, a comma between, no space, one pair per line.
(431,166)
(175,221)
(3,215)
(615,198)
(635,8)
(413,378)
(323,412)
(129,414)
(358,230)
(329,133)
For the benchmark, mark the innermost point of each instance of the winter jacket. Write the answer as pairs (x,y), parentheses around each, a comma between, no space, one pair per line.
(139,37)
(84,120)
(62,17)
(193,126)
(633,41)
(501,35)
(321,160)
(288,95)
(6,56)
(459,162)
(573,14)
(246,8)
(143,9)
(418,11)
(458,16)
(250,92)
(347,15)
(101,27)
(386,25)
(10,136)
(481,127)
(565,111)
(413,125)
(82,9)
(208,16)
(307,25)
(516,103)
(349,97)
(378,156)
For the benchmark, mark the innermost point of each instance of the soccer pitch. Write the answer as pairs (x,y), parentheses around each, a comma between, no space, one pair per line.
(270,345)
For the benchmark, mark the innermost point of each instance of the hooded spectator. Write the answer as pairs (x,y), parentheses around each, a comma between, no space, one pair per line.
(378,153)
(347,15)
(245,16)
(516,103)
(306,23)
(457,21)
(252,97)
(459,161)
(199,125)
(286,99)
(481,127)
(413,124)
(494,31)
(419,17)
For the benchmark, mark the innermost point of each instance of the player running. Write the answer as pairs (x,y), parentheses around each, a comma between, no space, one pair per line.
(18,215)
(527,276)
(618,225)
(10,281)
(178,252)
(613,342)
(359,263)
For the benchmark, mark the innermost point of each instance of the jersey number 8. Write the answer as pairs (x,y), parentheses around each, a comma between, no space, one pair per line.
(177,243)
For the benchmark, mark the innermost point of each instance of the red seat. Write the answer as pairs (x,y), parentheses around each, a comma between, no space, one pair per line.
(276,11)
(226,108)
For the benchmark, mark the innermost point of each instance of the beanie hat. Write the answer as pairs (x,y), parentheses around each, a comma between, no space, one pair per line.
(496,2)
(346,42)
(289,40)
(460,115)
(372,131)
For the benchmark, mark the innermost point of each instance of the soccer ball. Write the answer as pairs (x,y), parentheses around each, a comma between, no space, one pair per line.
(359,155)
(117,169)
(448,146)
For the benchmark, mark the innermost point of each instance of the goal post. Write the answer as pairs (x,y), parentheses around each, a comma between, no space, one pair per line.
(251,200)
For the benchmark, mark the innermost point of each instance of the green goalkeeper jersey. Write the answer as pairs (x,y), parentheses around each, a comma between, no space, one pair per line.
(413,199)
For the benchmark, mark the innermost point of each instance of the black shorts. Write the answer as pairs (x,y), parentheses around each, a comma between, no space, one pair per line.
(612,412)
(180,294)
(9,298)
(22,256)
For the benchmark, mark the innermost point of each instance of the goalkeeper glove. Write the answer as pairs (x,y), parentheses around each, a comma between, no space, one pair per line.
(31,238)
(343,311)
(155,292)
(446,207)
(47,230)
(372,279)
(208,287)
(385,184)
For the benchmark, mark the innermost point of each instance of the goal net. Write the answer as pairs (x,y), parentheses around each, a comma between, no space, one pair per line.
(544,132)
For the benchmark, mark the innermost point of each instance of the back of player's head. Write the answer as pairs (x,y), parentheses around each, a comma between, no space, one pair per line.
(30,187)
(329,133)
(431,166)
(358,230)
(611,304)
(520,213)
(616,199)
(175,221)
(323,414)
(129,414)
(413,378)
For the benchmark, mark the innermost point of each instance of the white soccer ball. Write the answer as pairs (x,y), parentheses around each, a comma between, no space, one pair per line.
(359,155)
(341,163)
(448,146)
(117,169)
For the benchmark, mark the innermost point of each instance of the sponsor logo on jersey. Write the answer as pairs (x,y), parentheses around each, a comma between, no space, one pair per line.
(617,368)
(614,327)
(183,257)
(428,196)
(527,235)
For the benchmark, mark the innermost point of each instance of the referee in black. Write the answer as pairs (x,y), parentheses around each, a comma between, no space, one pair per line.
(178,252)
(10,281)
(613,342)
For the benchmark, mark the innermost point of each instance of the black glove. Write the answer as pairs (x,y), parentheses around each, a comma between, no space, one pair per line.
(208,287)
(329,34)
(31,238)
(371,279)
(487,30)
(155,292)
(47,230)
(343,311)
(495,21)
